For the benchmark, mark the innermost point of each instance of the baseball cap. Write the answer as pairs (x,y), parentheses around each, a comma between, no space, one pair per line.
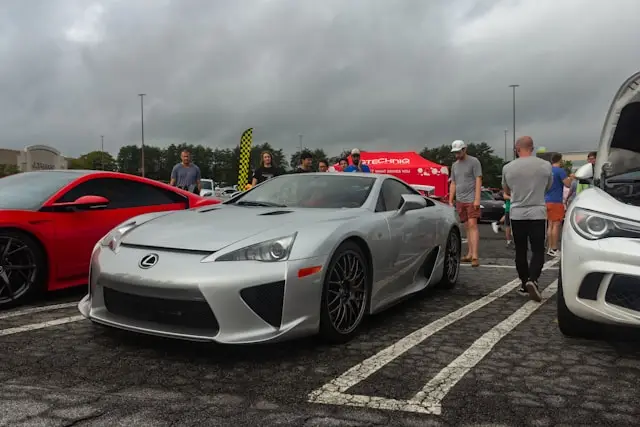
(457,145)
(355,151)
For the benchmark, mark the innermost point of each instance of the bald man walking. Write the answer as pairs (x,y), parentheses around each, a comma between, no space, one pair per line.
(527,179)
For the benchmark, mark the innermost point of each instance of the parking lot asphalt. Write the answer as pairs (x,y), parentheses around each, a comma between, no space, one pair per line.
(479,354)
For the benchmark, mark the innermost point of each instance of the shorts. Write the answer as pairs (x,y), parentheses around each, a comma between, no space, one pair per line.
(555,212)
(507,219)
(466,211)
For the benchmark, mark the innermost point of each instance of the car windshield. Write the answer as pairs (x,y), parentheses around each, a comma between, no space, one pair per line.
(207,185)
(487,195)
(329,190)
(29,190)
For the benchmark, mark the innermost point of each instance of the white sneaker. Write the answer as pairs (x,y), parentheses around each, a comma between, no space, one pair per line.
(495,227)
(553,252)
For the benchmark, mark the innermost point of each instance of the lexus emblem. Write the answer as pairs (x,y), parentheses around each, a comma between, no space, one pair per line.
(148,261)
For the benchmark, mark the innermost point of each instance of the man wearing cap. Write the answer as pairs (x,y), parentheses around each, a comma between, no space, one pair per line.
(466,186)
(357,165)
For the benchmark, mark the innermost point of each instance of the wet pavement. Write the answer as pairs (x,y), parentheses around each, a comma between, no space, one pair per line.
(480,354)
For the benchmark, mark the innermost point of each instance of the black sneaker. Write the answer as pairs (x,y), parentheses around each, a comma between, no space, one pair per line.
(523,291)
(533,291)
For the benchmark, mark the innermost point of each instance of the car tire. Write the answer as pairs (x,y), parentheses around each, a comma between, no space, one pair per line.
(329,332)
(571,325)
(22,250)
(452,255)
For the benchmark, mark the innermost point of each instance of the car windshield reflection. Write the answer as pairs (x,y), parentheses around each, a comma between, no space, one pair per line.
(324,191)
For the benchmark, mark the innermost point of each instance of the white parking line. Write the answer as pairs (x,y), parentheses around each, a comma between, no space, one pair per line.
(334,392)
(500,266)
(17,313)
(42,325)
(434,391)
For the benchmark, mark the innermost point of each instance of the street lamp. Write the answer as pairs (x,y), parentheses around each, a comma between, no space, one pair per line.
(514,118)
(142,95)
(506,131)
(102,151)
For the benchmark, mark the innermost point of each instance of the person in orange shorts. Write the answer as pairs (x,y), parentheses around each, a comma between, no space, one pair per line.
(465,188)
(555,205)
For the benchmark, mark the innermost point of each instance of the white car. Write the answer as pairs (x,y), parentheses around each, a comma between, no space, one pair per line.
(599,279)
(207,188)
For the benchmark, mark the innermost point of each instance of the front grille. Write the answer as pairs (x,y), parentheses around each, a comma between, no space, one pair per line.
(188,314)
(624,291)
(590,285)
(266,301)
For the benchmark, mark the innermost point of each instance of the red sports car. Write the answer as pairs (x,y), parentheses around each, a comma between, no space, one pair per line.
(51,220)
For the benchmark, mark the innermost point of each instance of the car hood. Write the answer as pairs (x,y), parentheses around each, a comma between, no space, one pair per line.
(214,227)
(617,122)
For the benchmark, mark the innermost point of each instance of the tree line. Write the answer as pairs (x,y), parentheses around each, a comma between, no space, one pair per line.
(221,164)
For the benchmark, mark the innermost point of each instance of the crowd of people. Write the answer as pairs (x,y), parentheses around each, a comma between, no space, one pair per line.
(536,192)
(186,174)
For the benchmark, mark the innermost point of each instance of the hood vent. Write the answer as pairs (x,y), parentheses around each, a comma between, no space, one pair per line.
(276,213)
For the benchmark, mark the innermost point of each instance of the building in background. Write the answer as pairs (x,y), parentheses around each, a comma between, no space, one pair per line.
(33,157)
(577,158)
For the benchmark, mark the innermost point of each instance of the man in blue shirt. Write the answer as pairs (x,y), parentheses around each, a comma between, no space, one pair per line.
(357,165)
(554,200)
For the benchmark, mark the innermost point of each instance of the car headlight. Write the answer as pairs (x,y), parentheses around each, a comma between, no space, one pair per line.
(273,250)
(114,237)
(595,225)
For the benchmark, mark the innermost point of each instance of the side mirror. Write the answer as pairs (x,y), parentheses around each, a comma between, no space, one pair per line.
(86,202)
(585,173)
(412,202)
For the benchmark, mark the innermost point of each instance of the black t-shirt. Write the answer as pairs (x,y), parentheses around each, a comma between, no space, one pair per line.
(300,170)
(262,174)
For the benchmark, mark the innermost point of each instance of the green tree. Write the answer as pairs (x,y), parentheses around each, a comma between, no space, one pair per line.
(318,154)
(96,160)
(6,170)
(568,166)
(129,159)
(491,164)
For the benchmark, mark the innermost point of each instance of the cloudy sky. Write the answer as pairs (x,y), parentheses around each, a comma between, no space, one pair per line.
(374,74)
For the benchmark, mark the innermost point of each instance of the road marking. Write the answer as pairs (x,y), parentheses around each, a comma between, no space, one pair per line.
(334,392)
(434,391)
(500,266)
(17,313)
(42,325)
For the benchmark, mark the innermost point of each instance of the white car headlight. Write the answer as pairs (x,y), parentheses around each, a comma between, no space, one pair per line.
(114,237)
(273,250)
(594,225)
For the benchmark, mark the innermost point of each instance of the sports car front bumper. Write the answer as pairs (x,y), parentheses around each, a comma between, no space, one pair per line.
(601,278)
(235,302)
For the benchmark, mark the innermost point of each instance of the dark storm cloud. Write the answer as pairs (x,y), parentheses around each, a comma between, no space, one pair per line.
(369,73)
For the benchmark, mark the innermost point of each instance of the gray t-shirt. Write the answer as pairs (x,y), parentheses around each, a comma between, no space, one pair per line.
(528,178)
(464,174)
(186,176)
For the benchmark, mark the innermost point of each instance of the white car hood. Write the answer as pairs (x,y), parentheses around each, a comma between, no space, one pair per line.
(598,200)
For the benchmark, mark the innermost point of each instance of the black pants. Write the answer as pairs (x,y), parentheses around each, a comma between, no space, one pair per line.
(525,232)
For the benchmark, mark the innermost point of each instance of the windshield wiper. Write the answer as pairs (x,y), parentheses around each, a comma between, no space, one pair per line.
(261,204)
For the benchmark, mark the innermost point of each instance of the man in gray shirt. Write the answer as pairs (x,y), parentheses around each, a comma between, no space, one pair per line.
(186,175)
(527,179)
(466,186)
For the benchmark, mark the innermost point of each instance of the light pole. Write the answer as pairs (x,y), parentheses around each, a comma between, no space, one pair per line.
(514,118)
(506,131)
(142,95)
(102,151)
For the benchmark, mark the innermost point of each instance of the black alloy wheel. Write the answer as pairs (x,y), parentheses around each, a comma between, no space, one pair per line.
(21,268)
(452,256)
(345,297)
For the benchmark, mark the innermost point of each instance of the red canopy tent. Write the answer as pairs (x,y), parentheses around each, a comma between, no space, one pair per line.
(409,166)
